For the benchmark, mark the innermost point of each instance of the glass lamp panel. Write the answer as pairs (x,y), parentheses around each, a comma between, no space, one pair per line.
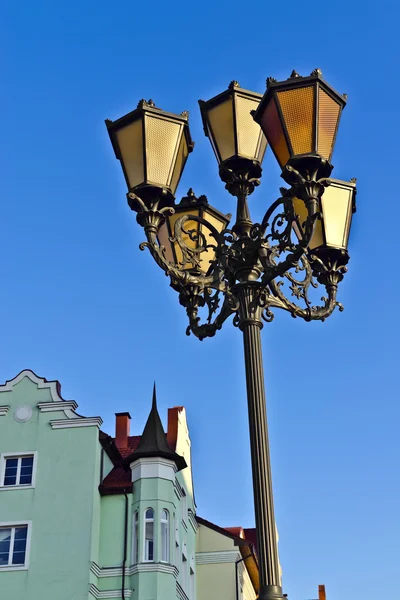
(328,116)
(261,147)
(208,257)
(162,137)
(271,126)
(337,209)
(222,132)
(183,152)
(297,107)
(130,141)
(248,131)
(301,212)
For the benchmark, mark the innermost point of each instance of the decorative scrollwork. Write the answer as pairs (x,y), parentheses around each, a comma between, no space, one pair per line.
(272,258)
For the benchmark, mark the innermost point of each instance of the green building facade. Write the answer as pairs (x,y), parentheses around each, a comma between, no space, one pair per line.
(84,515)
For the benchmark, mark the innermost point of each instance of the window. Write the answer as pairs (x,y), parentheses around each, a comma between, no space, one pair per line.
(135,553)
(164,536)
(149,535)
(17,470)
(13,545)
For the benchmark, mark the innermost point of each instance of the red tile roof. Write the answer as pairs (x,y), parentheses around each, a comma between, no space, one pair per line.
(133,443)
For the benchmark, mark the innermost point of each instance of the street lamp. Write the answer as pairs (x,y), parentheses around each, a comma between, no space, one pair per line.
(302,240)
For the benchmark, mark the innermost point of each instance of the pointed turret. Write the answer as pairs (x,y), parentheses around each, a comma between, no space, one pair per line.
(153,442)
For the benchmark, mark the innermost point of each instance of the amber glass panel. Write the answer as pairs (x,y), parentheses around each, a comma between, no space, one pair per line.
(298,112)
(130,141)
(180,161)
(248,131)
(162,138)
(301,214)
(328,115)
(222,132)
(271,126)
(336,208)
(209,256)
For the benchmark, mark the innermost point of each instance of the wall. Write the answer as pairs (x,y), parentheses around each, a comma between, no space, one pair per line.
(60,506)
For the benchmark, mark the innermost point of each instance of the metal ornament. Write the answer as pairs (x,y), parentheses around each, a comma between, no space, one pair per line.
(256,268)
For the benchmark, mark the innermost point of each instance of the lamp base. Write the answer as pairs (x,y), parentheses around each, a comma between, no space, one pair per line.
(151,196)
(271,592)
(311,167)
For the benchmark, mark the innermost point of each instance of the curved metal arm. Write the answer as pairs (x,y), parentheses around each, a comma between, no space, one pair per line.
(192,304)
(151,220)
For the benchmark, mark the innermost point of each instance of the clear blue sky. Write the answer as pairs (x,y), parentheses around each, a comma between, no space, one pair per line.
(80,303)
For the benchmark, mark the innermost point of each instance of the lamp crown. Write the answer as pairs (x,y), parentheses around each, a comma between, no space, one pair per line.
(143,103)
(317,72)
(271,80)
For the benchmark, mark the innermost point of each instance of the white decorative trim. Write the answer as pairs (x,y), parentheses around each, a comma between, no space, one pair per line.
(96,593)
(56,403)
(4,410)
(17,455)
(28,544)
(192,520)
(180,593)
(101,572)
(153,468)
(207,558)
(79,422)
(55,406)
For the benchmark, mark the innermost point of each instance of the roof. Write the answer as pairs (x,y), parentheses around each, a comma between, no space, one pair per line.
(248,549)
(153,441)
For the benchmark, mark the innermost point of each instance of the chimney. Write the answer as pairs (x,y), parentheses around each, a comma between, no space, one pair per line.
(321,592)
(173,419)
(122,427)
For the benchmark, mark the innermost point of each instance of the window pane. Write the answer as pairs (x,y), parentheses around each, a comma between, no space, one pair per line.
(164,515)
(25,479)
(27,461)
(18,558)
(149,545)
(19,545)
(150,550)
(3,558)
(149,513)
(164,542)
(10,480)
(21,533)
(10,475)
(5,537)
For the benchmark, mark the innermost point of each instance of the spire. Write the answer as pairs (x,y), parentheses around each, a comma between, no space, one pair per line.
(154,441)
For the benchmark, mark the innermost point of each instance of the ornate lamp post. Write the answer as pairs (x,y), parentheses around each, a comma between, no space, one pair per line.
(302,240)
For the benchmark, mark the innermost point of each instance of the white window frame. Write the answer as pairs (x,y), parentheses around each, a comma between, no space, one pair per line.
(135,537)
(18,455)
(146,520)
(167,530)
(11,524)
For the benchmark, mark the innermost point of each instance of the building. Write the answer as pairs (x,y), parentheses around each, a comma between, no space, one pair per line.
(85,515)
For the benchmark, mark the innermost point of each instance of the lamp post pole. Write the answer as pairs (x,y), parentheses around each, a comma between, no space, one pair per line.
(251,325)
(301,241)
